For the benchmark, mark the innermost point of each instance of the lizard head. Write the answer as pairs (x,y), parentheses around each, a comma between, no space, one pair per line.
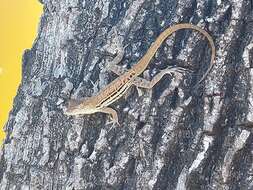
(78,107)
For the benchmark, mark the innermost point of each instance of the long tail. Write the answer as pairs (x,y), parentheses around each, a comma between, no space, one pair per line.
(144,61)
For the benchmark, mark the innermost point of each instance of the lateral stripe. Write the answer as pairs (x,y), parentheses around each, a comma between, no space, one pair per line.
(114,96)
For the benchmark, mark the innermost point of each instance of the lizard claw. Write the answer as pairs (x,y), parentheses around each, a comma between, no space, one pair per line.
(179,70)
(113,121)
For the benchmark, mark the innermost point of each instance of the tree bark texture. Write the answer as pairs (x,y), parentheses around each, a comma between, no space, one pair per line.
(175,136)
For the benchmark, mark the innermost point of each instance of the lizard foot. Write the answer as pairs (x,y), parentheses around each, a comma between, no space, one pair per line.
(113,115)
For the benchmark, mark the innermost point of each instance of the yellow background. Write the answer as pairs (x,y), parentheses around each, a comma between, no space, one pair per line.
(18,21)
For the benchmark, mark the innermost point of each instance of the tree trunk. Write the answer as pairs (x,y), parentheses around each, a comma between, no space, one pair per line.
(175,136)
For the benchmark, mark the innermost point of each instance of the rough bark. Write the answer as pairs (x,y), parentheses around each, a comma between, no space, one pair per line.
(173,137)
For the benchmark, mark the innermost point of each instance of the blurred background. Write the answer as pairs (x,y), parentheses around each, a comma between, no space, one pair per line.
(19,22)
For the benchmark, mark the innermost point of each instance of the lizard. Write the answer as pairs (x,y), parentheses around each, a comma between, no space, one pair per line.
(119,86)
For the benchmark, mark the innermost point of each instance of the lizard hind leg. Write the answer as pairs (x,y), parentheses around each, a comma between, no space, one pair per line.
(112,113)
(143,83)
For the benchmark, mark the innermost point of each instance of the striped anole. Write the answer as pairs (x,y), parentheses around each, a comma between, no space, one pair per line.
(118,87)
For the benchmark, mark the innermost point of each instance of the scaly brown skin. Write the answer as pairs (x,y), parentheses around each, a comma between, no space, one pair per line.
(118,87)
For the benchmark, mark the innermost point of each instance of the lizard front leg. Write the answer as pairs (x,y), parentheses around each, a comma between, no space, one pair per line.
(143,83)
(112,113)
(113,65)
